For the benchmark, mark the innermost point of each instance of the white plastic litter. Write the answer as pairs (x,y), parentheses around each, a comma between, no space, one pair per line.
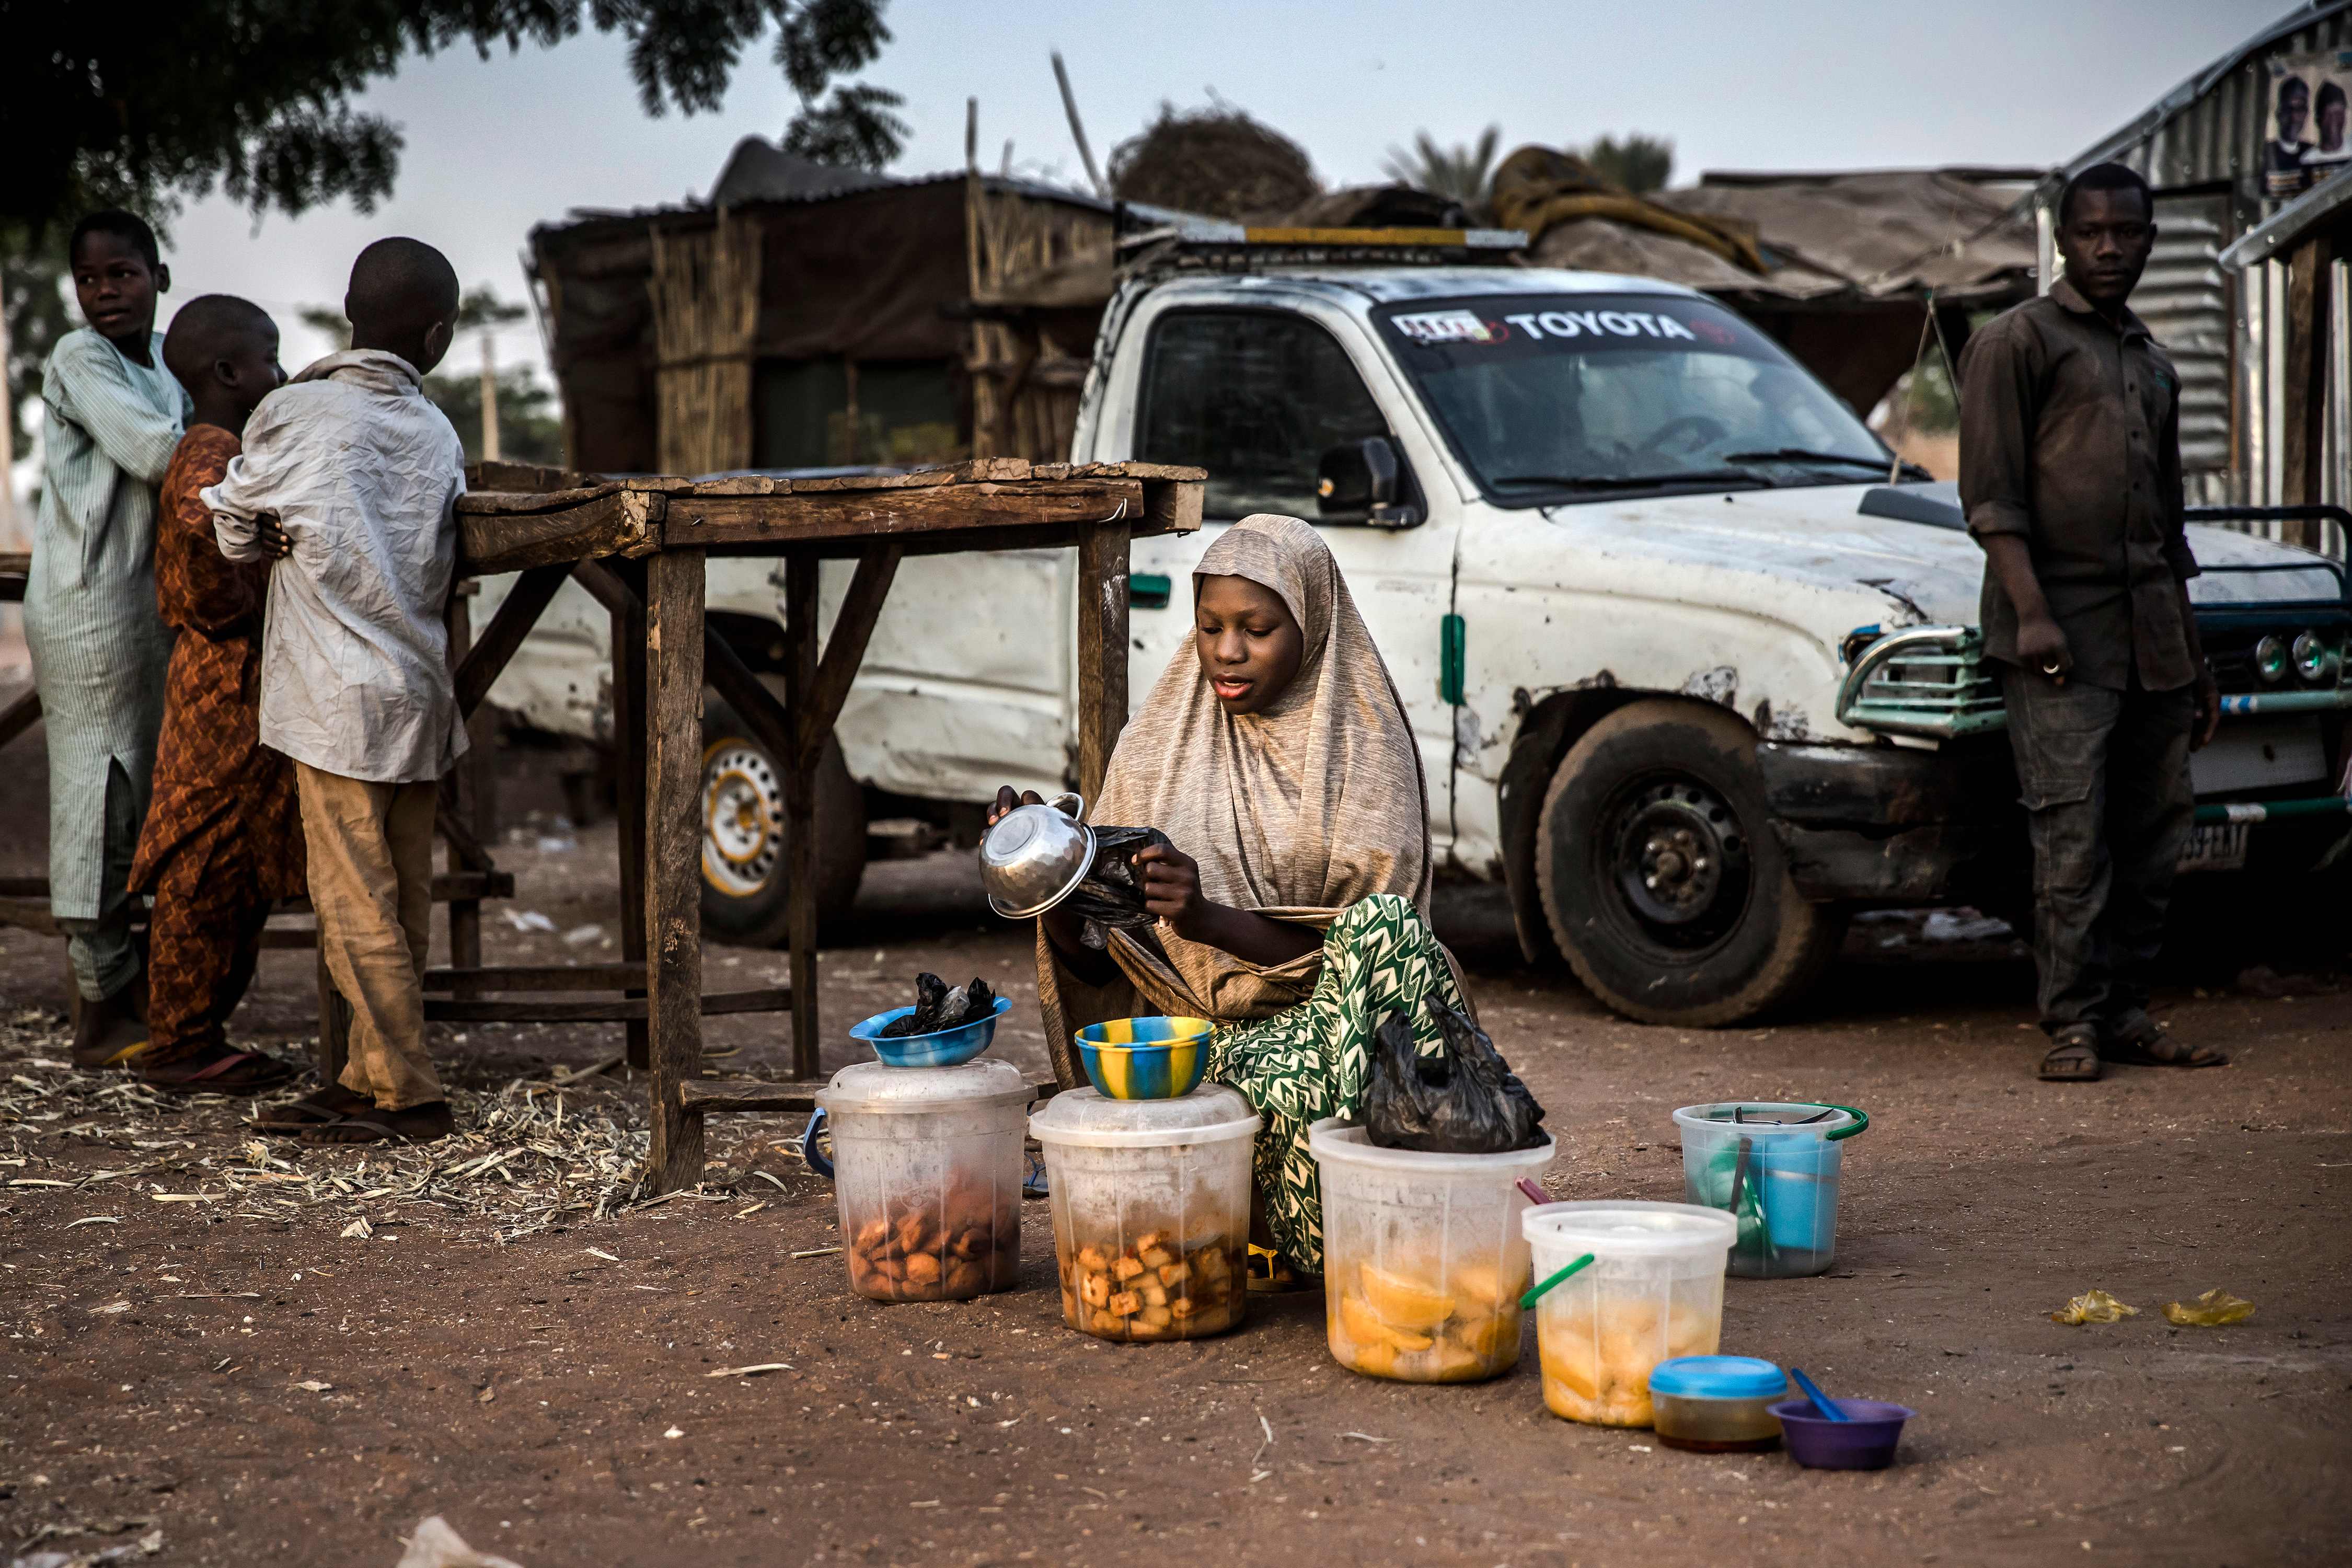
(435,1545)
(528,920)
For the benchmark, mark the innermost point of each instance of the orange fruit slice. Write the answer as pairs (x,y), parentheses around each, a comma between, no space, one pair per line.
(1403,1301)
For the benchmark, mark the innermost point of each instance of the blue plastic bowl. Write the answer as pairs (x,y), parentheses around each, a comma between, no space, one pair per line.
(1866,1443)
(942,1048)
(1146,1058)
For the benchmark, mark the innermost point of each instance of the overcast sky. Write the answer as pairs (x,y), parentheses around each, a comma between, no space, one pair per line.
(495,146)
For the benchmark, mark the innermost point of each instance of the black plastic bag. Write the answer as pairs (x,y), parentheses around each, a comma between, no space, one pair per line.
(1111,896)
(1464,1100)
(937,1008)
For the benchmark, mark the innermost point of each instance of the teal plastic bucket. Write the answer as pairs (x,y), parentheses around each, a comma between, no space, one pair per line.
(1775,1167)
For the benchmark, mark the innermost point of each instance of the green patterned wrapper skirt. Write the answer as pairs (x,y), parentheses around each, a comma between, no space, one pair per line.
(1314,1061)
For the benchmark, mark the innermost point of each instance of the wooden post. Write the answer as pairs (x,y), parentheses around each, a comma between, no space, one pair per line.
(2305,438)
(1102,650)
(628,624)
(673,858)
(458,793)
(800,804)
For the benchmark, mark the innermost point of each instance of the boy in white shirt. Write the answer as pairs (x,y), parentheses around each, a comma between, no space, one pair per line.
(350,477)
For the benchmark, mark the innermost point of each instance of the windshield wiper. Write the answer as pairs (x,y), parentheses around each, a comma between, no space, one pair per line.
(1807,455)
(1630,481)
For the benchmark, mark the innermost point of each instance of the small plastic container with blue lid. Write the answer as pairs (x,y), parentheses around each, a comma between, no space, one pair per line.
(1716,1403)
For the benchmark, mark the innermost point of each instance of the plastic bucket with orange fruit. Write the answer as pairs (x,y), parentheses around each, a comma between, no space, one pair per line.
(1423,1255)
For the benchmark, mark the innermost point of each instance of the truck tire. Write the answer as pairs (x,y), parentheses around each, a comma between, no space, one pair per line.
(1661,878)
(743,857)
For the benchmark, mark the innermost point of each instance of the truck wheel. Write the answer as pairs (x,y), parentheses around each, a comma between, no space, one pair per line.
(743,858)
(1661,875)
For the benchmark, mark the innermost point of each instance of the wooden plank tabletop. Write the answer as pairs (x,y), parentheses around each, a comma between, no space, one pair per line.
(987,503)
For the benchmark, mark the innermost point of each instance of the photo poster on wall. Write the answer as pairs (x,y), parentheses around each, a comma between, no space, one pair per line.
(2308,141)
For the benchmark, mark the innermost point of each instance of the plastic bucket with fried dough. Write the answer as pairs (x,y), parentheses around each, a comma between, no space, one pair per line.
(1653,1290)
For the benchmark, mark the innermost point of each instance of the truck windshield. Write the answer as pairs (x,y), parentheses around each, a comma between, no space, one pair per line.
(1549,397)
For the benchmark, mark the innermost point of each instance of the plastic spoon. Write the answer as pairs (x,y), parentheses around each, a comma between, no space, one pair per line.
(1821,1401)
(1527,1303)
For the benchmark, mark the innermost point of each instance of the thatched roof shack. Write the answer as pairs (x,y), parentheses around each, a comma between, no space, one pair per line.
(809,316)
(1848,259)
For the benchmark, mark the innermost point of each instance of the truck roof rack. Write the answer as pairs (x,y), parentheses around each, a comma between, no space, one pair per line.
(1184,242)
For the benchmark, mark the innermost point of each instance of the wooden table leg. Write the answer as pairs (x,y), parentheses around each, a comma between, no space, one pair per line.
(673,858)
(629,764)
(800,808)
(458,794)
(1102,651)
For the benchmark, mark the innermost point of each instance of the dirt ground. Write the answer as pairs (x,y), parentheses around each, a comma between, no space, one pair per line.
(239,1377)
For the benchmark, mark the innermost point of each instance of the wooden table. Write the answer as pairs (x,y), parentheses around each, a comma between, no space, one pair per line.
(639,546)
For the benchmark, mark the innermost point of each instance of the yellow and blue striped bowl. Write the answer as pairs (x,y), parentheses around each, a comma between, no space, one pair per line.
(1146,1058)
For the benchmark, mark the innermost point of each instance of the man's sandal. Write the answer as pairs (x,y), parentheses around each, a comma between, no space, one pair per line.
(2073,1056)
(2146,1044)
(224,1070)
(331,1103)
(413,1124)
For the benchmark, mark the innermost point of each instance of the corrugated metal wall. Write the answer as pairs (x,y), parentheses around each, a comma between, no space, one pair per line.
(2218,137)
(2205,163)
(2184,297)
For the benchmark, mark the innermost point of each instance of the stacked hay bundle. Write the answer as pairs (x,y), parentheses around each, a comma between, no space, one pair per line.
(1217,161)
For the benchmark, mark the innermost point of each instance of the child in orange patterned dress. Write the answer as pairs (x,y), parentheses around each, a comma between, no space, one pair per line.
(223,839)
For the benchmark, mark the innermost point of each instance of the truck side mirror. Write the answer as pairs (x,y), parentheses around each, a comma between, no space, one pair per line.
(1363,481)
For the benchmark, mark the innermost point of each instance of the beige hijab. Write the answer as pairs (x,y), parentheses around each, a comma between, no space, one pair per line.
(1296,812)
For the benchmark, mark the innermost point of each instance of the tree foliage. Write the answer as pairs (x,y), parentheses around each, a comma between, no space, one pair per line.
(1641,164)
(1463,172)
(32,293)
(252,97)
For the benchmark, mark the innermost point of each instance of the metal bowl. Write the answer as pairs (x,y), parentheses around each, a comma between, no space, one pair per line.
(1034,856)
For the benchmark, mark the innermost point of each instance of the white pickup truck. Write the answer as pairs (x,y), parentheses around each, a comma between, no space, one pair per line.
(1689,674)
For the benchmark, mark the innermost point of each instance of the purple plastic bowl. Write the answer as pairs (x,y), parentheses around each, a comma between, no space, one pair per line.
(1866,1443)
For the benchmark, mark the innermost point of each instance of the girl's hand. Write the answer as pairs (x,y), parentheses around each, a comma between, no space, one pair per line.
(1172,889)
(1009,801)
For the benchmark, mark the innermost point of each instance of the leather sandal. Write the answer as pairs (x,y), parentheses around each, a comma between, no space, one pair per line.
(328,1104)
(224,1070)
(2142,1042)
(411,1124)
(2074,1056)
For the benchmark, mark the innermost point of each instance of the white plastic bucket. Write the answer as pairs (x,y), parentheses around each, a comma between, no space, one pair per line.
(1424,1261)
(928,1168)
(1151,1201)
(1653,1290)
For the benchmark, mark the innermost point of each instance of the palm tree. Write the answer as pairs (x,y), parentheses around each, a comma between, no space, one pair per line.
(1460,173)
(1640,163)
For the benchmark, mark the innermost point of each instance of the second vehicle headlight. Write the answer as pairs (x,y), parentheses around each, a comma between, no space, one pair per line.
(2315,659)
(2270,659)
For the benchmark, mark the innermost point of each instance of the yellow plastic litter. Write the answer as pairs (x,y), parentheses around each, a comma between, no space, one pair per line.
(2212,1310)
(2094,1307)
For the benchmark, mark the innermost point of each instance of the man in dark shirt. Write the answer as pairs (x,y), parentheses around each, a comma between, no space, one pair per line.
(2070,472)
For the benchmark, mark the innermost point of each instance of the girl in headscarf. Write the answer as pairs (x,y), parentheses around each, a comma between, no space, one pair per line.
(1276,756)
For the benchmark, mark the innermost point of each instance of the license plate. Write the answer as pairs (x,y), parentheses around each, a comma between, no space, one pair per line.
(2215,846)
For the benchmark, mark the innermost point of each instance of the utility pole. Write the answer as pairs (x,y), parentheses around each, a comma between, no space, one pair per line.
(490,397)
